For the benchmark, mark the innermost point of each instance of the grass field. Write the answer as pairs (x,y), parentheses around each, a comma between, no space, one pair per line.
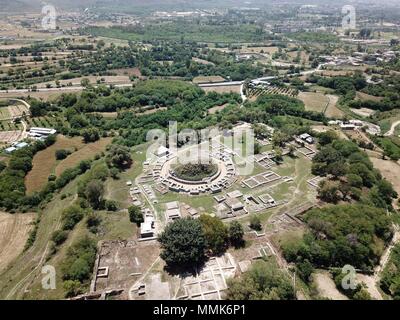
(4,113)
(314,101)
(45,161)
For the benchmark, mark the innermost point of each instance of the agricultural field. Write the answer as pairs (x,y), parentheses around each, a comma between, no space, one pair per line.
(332,109)
(45,162)
(314,101)
(255,93)
(365,97)
(14,232)
(223,89)
(210,79)
(85,152)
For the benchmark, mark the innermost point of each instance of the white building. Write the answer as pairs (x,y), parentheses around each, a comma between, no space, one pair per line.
(41,133)
(162,152)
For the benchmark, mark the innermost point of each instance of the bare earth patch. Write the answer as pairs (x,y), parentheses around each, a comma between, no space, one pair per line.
(372,288)
(326,286)
(14,232)
(390,171)
(363,112)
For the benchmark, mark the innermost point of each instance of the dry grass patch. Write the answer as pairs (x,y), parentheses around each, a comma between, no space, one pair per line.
(390,171)
(365,97)
(314,101)
(45,161)
(14,232)
(223,89)
(269,50)
(332,110)
(363,112)
(215,109)
(208,79)
(85,153)
(202,61)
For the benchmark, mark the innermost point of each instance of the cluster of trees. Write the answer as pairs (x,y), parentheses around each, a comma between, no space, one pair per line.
(264,281)
(184,30)
(350,173)
(186,242)
(343,85)
(175,59)
(78,265)
(70,217)
(390,145)
(342,234)
(91,186)
(12,177)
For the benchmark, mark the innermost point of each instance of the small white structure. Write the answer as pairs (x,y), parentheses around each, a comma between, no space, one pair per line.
(162,152)
(146,229)
(307,138)
(173,211)
(20,145)
(41,132)
(10,150)
(16,146)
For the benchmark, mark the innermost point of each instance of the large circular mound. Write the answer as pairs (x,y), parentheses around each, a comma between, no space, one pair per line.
(195,171)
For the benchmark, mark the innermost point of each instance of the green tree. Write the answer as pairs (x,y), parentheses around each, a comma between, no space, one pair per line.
(118,157)
(183,243)
(72,288)
(59,237)
(215,232)
(236,234)
(135,215)
(255,223)
(94,193)
(90,135)
(264,281)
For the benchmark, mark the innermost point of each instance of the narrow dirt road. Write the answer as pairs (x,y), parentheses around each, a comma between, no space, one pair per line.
(392,129)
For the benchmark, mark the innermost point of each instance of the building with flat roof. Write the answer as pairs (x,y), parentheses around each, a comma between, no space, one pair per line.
(173,211)
(42,131)
(234,204)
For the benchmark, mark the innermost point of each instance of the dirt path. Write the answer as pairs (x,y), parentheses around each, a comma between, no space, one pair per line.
(392,129)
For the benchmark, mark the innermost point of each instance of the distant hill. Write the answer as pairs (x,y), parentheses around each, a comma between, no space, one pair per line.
(9,6)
